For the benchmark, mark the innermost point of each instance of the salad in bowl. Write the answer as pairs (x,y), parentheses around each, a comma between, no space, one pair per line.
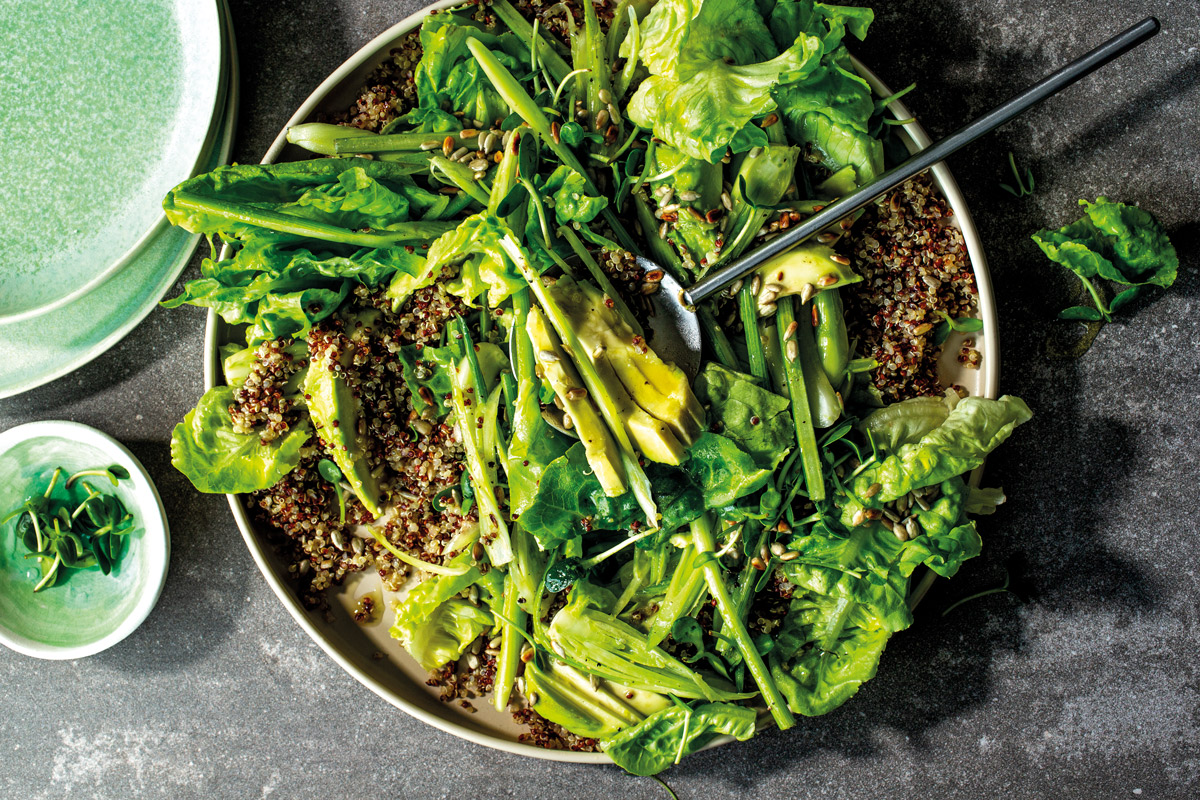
(446,370)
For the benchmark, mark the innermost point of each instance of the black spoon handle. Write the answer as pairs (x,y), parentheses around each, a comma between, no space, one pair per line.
(919,162)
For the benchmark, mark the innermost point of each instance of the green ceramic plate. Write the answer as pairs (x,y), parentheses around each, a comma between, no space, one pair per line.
(106,106)
(38,350)
(87,611)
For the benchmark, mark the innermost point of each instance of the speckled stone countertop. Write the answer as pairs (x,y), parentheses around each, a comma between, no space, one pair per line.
(1088,687)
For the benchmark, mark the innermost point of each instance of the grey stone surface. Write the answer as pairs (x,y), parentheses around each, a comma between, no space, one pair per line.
(1089,688)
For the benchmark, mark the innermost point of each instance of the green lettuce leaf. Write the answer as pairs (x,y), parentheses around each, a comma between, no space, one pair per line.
(1116,241)
(572,203)
(972,430)
(205,448)
(723,471)
(429,368)
(434,624)
(570,501)
(282,289)
(825,650)
(448,78)
(904,422)
(666,736)
(736,401)
(614,650)
(483,265)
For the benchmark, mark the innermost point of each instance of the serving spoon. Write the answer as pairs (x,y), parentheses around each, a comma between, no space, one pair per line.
(675,324)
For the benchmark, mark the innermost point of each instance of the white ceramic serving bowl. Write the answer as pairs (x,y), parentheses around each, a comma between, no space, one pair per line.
(88,612)
(397,678)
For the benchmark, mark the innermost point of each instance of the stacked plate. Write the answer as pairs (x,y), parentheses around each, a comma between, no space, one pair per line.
(106,107)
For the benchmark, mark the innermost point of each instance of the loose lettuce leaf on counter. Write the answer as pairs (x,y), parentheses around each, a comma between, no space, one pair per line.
(1115,241)
(216,459)
(668,735)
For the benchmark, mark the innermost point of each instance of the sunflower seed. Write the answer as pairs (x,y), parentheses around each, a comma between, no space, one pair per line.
(459,153)
(913,529)
(791,330)
(448,146)
(806,292)
(578,393)
(601,119)
(790,555)
(479,165)
(737,286)
(793,349)
(689,196)
(755,284)
(727,201)
(777,548)
(605,96)
(872,490)
(767,309)
(548,356)
(430,145)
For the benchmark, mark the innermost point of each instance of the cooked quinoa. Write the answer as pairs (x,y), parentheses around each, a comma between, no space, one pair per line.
(914,264)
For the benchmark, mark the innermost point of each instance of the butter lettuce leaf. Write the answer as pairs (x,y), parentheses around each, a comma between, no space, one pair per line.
(1119,242)
(825,650)
(483,266)
(434,624)
(218,460)
(662,738)
(572,203)
(973,429)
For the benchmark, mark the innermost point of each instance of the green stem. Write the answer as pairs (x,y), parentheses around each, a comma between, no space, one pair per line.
(520,102)
(702,537)
(1101,306)
(546,53)
(286,223)
(714,334)
(463,178)
(510,644)
(748,310)
(806,435)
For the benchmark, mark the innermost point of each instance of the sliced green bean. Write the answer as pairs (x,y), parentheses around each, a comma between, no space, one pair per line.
(833,341)
(795,377)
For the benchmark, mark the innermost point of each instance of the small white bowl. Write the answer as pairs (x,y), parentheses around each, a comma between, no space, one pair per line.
(88,612)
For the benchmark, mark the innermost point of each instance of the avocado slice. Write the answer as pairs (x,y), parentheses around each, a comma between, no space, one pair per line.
(335,414)
(598,444)
(657,389)
(803,270)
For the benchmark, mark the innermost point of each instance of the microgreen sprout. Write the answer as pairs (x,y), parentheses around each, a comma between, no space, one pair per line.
(1001,589)
(77,528)
(330,472)
(1021,189)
